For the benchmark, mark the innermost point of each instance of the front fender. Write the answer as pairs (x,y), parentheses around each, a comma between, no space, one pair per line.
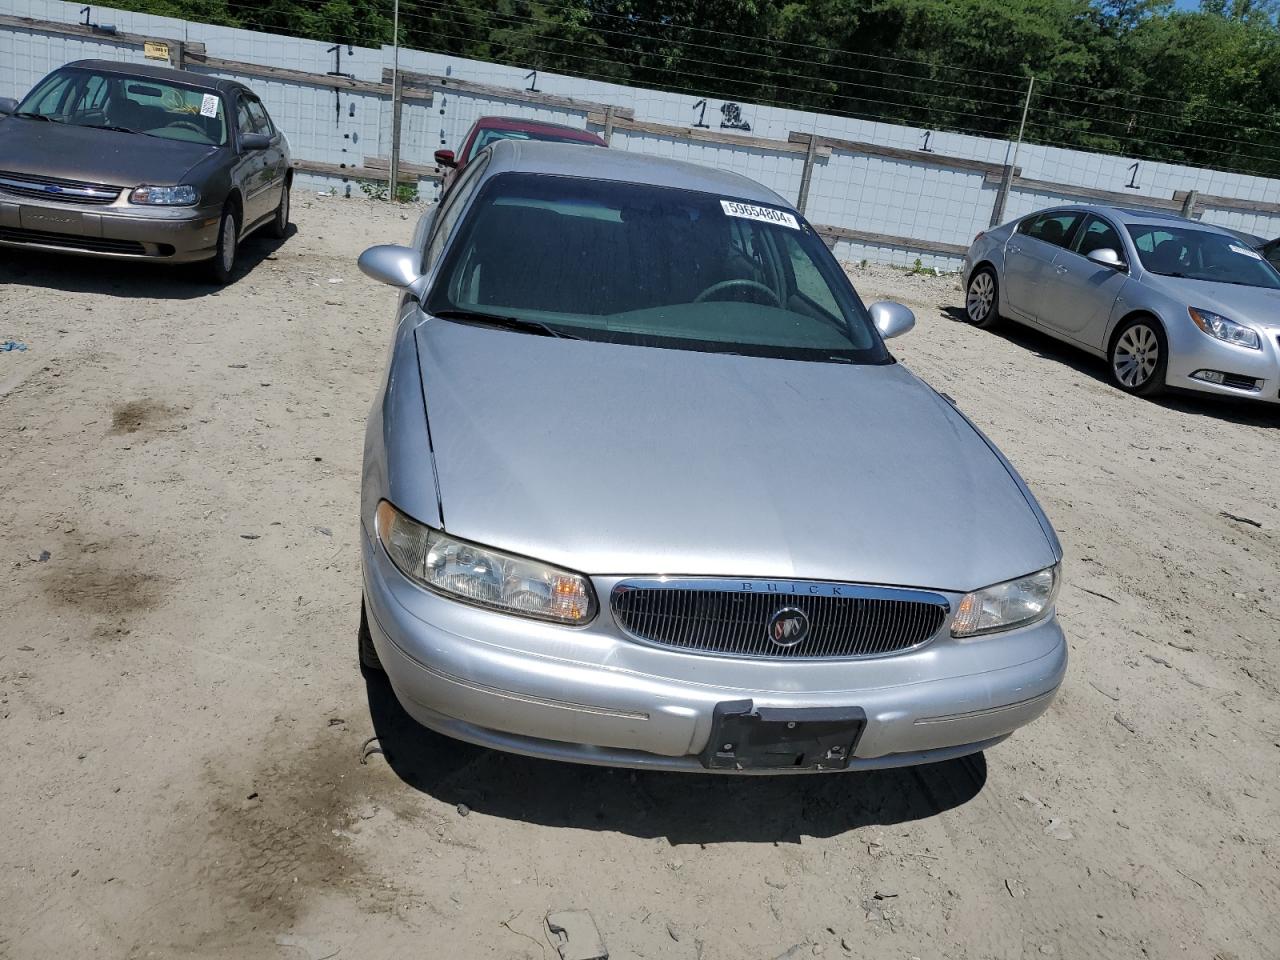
(398,462)
(212,179)
(1136,297)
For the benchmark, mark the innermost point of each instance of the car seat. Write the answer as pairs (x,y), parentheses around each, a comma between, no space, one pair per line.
(1053,232)
(1167,256)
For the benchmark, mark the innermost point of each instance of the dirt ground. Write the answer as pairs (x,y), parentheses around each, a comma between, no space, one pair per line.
(181,715)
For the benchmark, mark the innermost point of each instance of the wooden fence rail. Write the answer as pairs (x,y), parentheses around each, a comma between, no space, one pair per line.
(431,81)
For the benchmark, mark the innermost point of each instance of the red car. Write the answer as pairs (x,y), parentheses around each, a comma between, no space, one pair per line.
(488,129)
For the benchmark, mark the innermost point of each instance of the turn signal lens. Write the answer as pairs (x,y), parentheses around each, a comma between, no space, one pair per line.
(483,576)
(1004,606)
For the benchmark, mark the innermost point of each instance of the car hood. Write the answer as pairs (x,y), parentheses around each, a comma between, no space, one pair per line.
(96,156)
(613,459)
(1258,306)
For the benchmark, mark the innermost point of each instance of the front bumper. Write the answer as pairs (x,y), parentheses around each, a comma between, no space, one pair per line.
(590,695)
(116,231)
(1190,350)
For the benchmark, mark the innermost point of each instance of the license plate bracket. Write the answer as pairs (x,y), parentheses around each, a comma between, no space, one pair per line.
(772,738)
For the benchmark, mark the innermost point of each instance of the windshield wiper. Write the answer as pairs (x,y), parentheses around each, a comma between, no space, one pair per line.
(1237,283)
(109,126)
(504,323)
(36,116)
(1187,276)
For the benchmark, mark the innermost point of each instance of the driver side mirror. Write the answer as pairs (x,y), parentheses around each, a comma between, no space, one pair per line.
(892,319)
(1106,257)
(393,265)
(445,158)
(8,106)
(254,141)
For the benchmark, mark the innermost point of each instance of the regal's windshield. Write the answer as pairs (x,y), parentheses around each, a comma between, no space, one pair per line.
(84,97)
(1201,255)
(652,266)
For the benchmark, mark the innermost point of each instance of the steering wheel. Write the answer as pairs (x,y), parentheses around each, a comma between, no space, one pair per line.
(715,288)
(190,125)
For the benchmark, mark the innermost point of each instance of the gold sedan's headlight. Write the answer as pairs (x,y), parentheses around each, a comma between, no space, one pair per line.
(1004,606)
(481,575)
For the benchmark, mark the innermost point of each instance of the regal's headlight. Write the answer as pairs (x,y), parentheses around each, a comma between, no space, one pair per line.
(183,196)
(1216,325)
(481,575)
(1006,605)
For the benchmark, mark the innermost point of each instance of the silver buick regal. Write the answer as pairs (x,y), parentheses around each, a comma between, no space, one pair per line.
(1168,302)
(643,487)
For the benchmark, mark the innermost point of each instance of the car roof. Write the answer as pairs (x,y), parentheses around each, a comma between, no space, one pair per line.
(150,71)
(536,126)
(578,160)
(1136,216)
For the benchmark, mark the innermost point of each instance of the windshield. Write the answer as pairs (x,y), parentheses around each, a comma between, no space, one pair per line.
(1201,255)
(652,266)
(486,137)
(89,98)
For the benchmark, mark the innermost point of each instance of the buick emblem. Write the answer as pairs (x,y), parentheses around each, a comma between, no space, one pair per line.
(788,627)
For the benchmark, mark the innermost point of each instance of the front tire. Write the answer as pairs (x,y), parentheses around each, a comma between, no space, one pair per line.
(1138,357)
(280,222)
(368,653)
(982,299)
(223,263)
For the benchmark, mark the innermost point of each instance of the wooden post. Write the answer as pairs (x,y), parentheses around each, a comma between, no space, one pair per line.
(1002,196)
(807,174)
(1189,204)
(608,124)
(397,102)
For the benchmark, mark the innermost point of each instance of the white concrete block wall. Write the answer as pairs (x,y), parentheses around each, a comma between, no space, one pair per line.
(25,58)
(922,201)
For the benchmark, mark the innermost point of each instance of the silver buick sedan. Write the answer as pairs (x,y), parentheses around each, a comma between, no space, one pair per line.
(643,487)
(1168,302)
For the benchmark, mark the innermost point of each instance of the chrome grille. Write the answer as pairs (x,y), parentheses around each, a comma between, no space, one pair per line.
(62,191)
(736,617)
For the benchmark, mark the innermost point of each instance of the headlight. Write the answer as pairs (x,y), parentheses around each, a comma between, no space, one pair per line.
(1216,325)
(183,196)
(483,576)
(1006,605)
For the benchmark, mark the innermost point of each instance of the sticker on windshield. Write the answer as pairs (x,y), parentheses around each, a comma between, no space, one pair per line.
(1246,251)
(749,211)
(209,106)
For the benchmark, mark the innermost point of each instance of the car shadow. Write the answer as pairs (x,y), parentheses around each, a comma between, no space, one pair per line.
(131,278)
(681,808)
(1244,412)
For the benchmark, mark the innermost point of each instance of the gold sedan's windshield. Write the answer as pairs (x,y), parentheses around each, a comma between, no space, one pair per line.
(90,98)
